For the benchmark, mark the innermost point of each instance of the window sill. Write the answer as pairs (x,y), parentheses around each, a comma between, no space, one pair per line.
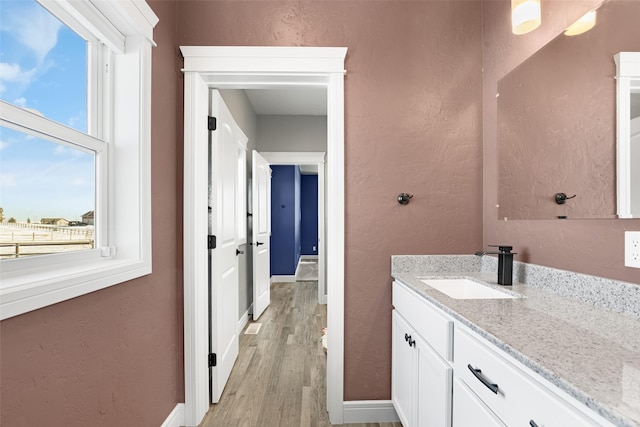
(26,292)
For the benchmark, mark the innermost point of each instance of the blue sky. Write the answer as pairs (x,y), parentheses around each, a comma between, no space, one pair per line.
(43,68)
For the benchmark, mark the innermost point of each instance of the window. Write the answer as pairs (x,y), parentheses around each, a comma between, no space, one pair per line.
(48,180)
(75,123)
(47,189)
(43,61)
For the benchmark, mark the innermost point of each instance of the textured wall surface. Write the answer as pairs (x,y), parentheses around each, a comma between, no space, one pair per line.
(413,124)
(112,357)
(591,246)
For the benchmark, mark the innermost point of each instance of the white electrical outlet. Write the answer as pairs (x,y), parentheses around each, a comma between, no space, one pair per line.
(632,249)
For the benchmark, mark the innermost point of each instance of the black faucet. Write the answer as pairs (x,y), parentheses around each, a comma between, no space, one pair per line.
(505,263)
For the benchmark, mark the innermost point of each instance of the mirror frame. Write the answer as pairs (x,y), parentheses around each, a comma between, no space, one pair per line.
(627,79)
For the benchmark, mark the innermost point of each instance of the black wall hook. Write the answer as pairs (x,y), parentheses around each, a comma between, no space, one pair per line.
(561,198)
(403,198)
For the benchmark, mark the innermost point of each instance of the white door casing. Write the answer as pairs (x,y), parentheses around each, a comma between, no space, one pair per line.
(246,68)
(261,205)
(225,140)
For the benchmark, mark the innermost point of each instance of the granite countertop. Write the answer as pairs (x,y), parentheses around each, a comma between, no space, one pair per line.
(589,352)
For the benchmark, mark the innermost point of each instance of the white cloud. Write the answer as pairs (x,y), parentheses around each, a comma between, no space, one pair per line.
(3,145)
(35,28)
(15,74)
(61,149)
(12,75)
(7,180)
(20,102)
(68,151)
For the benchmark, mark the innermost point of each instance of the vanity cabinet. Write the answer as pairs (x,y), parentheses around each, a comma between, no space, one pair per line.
(510,390)
(474,385)
(421,377)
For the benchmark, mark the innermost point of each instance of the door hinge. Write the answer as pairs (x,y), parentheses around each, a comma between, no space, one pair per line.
(213,360)
(211,244)
(212,123)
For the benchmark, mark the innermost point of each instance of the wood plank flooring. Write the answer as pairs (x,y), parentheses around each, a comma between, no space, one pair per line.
(279,379)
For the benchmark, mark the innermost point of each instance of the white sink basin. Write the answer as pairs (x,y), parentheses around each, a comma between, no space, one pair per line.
(466,289)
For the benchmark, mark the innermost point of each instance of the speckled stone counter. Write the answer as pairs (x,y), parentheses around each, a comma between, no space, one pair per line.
(567,329)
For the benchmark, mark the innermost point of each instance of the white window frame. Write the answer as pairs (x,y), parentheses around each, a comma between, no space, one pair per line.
(121,117)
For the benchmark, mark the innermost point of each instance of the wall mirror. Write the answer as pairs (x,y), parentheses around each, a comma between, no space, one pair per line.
(557,122)
(628,134)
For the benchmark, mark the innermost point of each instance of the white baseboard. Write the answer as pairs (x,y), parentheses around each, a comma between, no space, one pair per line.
(176,417)
(244,319)
(283,279)
(370,411)
(308,257)
(297,271)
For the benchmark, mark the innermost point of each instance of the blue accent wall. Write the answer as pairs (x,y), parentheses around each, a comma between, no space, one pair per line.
(285,214)
(309,214)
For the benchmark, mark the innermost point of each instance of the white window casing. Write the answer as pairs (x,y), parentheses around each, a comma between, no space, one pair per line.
(119,34)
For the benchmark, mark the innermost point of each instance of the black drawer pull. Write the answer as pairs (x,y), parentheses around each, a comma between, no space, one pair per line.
(478,374)
(533,423)
(407,337)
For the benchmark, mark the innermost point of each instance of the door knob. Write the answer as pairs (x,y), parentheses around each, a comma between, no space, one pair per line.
(238,252)
(259,243)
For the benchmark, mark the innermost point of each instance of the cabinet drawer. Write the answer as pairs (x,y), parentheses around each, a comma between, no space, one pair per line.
(469,411)
(435,327)
(519,398)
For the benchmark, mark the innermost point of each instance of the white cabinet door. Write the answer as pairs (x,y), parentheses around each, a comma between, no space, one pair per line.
(434,387)
(469,411)
(402,377)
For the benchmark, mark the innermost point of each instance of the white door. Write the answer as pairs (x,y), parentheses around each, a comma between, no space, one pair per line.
(223,261)
(261,205)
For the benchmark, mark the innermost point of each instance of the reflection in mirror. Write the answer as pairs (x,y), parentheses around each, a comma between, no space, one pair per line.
(628,133)
(557,122)
(635,154)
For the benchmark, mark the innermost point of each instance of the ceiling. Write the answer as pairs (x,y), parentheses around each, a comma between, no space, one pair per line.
(289,101)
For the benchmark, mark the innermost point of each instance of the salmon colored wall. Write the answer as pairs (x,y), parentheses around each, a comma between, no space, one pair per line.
(413,124)
(592,246)
(112,357)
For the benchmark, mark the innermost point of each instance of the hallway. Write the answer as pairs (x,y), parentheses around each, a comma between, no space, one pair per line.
(279,378)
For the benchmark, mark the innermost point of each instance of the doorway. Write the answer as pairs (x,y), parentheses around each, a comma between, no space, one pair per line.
(247,68)
(317,160)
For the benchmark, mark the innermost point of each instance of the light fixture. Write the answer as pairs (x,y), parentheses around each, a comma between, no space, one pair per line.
(582,25)
(525,16)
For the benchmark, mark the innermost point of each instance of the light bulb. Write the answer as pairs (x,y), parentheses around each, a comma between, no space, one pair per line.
(525,16)
(582,25)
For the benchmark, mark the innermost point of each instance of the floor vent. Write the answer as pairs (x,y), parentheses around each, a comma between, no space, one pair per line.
(253,329)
